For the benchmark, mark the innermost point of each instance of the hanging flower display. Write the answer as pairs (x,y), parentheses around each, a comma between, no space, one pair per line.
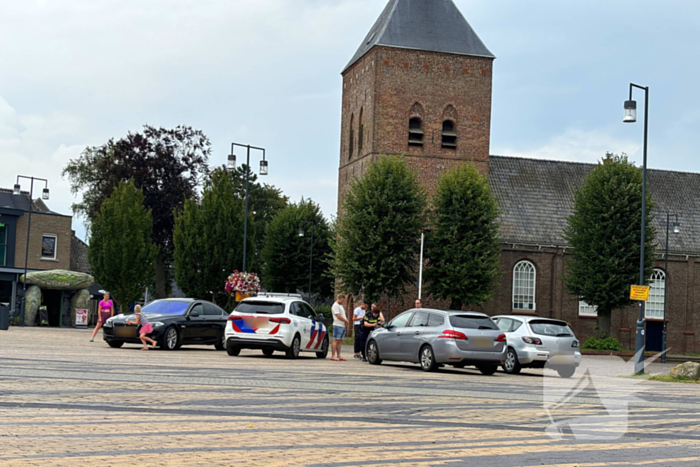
(245,283)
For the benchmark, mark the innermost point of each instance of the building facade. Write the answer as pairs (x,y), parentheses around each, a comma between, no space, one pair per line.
(420,85)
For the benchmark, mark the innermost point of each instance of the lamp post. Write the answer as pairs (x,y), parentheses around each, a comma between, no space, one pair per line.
(631,117)
(311,252)
(263,171)
(420,265)
(676,230)
(17,191)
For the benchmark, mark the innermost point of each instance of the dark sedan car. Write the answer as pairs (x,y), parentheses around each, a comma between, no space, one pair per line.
(176,322)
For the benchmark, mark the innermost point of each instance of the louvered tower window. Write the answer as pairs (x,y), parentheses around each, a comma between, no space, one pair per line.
(449,136)
(415,132)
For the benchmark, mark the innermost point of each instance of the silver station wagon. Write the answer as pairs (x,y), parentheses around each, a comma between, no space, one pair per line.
(534,342)
(434,338)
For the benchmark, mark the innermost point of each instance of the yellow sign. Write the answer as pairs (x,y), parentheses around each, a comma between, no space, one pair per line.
(640,293)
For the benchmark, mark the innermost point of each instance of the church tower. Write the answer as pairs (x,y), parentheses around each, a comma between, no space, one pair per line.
(419,85)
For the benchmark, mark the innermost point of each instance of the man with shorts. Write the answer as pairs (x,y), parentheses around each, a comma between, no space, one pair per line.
(357,317)
(339,326)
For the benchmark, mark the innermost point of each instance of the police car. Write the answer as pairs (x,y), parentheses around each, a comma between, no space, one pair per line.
(276,322)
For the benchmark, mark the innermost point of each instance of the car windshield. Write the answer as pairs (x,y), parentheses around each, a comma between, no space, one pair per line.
(472,322)
(166,307)
(551,328)
(265,308)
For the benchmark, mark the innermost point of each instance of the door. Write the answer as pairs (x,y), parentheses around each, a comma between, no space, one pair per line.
(303,320)
(654,335)
(388,339)
(410,339)
(316,335)
(215,321)
(194,327)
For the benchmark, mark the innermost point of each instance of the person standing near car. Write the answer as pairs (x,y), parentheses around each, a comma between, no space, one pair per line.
(358,316)
(105,310)
(370,322)
(339,327)
(144,328)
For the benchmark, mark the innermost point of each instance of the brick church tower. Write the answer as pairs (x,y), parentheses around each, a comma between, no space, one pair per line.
(419,85)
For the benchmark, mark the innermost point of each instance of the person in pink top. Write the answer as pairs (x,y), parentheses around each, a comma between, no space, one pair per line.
(105,310)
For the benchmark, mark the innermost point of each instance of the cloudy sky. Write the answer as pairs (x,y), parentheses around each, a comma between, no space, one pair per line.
(266,72)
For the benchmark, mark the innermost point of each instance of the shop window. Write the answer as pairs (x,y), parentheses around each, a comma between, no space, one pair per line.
(49,244)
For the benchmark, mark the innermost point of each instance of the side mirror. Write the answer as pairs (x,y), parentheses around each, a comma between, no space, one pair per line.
(386,326)
(194,314)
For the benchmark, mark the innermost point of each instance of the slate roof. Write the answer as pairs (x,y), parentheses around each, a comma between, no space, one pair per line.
(536,198)
(78,255)
(8,200)
(430,25)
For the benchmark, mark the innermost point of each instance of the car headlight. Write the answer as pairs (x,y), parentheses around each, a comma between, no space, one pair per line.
(157,324)
(109,322)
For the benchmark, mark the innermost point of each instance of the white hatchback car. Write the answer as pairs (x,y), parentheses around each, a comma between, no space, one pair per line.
(276,322)
(534,342)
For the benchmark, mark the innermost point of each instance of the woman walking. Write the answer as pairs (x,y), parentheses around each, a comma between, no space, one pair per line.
(105,310)
(144,329)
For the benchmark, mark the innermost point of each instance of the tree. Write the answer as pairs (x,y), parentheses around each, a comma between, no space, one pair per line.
(208,240)
(286,254)
(168,165)
(463,250)
(264,202)
(121,251)
(378,229)
(605,233)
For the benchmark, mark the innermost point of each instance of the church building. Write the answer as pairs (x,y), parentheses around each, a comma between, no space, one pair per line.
(420,86)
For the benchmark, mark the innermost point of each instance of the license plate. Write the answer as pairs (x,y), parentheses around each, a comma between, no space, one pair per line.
(123,332)
(482,341)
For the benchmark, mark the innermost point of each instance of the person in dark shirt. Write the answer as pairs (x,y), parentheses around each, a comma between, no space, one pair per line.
(370,322)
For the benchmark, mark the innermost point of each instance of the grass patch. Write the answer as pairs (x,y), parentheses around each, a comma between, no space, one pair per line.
(671,379)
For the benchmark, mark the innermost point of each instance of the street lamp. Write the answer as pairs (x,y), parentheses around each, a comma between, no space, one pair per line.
(45,195)
(676,230)
(263,171)
(311,252)
(630,116)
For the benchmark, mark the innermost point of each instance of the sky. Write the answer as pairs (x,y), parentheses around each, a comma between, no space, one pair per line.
(74,73)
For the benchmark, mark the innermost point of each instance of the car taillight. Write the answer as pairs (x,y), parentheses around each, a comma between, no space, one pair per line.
(574,343)
(501,338)
(450,334)
(532,340)
(234,318)
(280,320)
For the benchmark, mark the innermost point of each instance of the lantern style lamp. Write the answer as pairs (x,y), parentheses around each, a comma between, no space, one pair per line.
(45,194)
(263,167)
(231,164)
(301,232)
(16,190)
(630,112)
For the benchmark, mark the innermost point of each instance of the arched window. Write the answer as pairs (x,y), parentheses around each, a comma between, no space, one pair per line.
(524,286)
(415,132)
(449,136)
(360,133)
(654,308)
(351,143)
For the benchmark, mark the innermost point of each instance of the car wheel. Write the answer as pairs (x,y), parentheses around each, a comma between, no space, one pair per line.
(221,345)
(512,365)
(427,359)
(115,344)
(268,352)
(293,351)
(171,339)
(233,351)
(488,370)
(324,349)
(373,353)
(566,371)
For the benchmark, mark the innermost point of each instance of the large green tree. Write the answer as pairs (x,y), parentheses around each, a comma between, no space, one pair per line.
(168,165)
(121,250)
(208,240)
(286,255)
(463,250)
(264,202)
(605,233)
(378,230)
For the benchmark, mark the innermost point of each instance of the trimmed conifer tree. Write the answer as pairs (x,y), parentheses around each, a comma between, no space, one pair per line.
(463,250)
(605,233)
(376,246)
(121,253)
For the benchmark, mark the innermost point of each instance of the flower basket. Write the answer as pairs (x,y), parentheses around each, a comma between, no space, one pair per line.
(242,284)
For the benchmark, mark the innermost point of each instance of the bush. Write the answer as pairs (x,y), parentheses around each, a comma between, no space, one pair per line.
(324,310)
(609,343)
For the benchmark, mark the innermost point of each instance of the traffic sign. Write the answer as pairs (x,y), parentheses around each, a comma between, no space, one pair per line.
(640,293)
